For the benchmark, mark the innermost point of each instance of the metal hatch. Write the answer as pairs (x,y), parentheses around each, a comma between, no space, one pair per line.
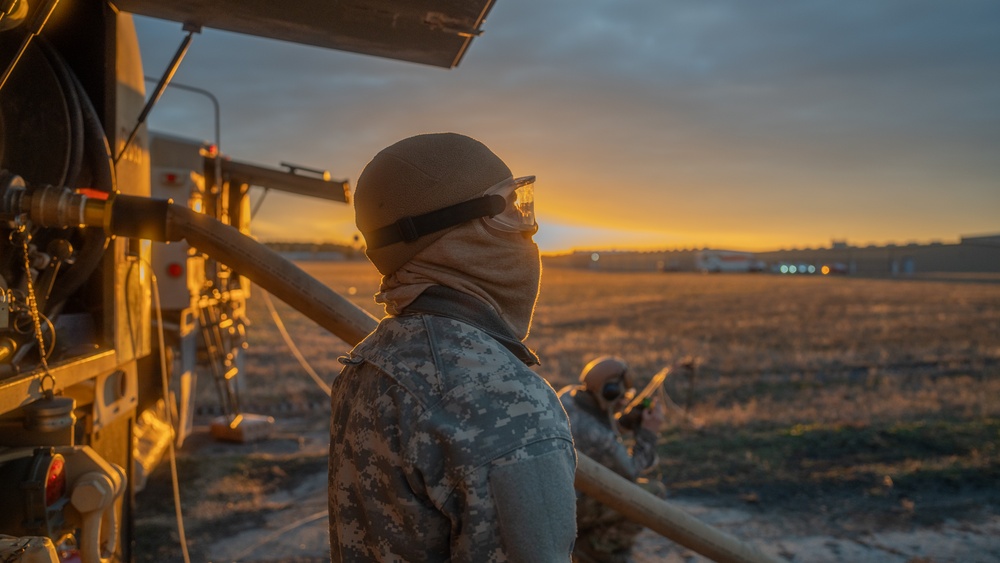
(321,187)
(432,32)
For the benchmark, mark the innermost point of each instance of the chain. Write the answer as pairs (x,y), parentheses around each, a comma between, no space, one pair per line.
(36,316)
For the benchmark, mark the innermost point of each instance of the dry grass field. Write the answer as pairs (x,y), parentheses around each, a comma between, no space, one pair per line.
(851,404)
(882,393)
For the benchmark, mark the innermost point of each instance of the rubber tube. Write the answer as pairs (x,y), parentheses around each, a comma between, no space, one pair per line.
(271,271)
(660,516)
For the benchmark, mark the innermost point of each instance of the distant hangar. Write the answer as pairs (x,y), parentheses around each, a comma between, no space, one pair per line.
(971,255)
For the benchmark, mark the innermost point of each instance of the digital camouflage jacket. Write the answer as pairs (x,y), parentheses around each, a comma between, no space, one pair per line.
(444,446)
(602,529)
(595,438)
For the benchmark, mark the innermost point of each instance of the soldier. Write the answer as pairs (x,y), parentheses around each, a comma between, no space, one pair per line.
(444,446)
(605,536)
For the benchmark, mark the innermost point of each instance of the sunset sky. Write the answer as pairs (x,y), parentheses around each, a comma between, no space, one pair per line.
(649,124)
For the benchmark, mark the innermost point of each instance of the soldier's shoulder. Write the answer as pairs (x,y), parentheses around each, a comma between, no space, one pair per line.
(465,347)
(397,334)
(394,327)
(438,331)
(457,333)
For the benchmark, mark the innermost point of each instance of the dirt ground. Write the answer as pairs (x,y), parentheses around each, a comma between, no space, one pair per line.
(267,502)
(837,420)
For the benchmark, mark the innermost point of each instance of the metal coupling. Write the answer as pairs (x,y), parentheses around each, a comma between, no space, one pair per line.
(51,206)
(48,206)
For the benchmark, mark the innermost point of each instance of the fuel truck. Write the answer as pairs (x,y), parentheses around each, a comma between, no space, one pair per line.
(86,356)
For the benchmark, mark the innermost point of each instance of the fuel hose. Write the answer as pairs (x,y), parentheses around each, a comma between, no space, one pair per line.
(166,221)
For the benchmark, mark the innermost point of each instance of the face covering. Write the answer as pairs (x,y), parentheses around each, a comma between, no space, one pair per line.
(501,272)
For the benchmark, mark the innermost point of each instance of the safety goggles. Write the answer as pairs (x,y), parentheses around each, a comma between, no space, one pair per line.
(506,206)
(519,213)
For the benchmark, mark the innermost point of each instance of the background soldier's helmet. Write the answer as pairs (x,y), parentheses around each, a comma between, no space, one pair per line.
(606,377)
(415,176)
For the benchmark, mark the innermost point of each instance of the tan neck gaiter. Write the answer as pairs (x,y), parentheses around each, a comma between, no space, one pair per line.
(503,273)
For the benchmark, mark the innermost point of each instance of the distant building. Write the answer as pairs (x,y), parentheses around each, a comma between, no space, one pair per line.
(718,261)
(626,261)
(973,254)
(980,254)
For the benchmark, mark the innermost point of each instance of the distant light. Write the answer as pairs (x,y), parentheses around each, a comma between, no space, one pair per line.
(812,269)
(784,268)
(352,290)
(595,257)
(792,269)
(825,270)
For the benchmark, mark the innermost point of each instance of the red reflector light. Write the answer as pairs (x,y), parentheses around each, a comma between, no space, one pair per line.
(93,194)
(170,178)
(175,270)
(55,480)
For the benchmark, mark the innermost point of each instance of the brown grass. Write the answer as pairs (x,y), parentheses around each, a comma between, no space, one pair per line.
(878,396)
(788,350)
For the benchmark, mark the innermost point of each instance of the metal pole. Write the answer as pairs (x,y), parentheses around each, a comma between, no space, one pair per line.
(207,94)
(161,85)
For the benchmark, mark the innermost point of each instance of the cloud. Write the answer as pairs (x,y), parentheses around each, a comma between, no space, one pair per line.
(727,115)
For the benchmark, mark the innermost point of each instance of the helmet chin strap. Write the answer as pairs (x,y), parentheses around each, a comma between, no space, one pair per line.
(409,229)
(607,407)
(602,403)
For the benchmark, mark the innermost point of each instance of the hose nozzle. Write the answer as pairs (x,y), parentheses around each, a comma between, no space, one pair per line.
(62,207)
(48,206)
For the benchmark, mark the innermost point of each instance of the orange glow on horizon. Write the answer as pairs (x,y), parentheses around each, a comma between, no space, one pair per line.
(567,225)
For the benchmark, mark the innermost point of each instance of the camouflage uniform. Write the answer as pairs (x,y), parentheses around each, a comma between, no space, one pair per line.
(603,533)
(444,446)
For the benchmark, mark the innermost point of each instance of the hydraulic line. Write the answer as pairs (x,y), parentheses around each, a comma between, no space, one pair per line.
(168,75)
(74,110)
(168,413)
(99,174)
(271,271)
(212,347)
(279,533)
(324,386)
(351,324)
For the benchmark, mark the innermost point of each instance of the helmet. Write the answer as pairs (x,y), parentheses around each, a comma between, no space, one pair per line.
(606,377)
(413,177)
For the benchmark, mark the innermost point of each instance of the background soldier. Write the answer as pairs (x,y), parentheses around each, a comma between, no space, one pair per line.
(604,389)
(444,446)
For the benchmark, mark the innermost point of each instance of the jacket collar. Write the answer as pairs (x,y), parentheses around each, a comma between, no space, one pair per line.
(446,302)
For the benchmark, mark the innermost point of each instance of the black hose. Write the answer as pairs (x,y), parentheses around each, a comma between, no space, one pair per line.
(97,173)
(71,98)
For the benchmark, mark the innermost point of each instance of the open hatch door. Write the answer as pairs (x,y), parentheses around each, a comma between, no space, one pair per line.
(432,32)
